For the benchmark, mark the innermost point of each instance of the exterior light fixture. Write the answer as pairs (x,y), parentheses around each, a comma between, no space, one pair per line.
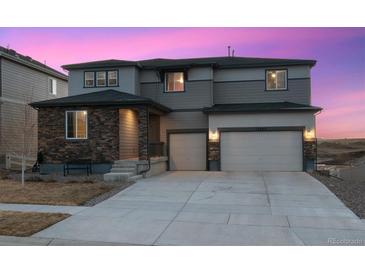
(309,134)
(213,135)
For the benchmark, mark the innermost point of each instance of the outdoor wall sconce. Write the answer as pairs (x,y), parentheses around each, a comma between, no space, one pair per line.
(213,135)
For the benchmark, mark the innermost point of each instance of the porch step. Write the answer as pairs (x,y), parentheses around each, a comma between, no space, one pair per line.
(121,177)
(117,169)
(126,163)
(135,178)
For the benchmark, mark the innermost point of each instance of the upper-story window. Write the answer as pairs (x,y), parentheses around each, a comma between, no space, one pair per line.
(174,82)
(112,78)
(89,79)
(276,79)
(76,124)
(101,78)
(52,86)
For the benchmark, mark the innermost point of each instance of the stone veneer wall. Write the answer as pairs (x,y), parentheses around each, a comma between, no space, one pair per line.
(143,133)
(101,146)
(310,149)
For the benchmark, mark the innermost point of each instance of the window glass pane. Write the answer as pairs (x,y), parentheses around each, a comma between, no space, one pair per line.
(271,80)
(81,124)
(89,79)
(101,78)
(50,85)
(112,78)
(280,79)
(175,81)
(71,124)
(170,82)
(179,81)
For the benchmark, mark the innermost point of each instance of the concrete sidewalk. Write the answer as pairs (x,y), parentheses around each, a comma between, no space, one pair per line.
(42,208)
(217,208)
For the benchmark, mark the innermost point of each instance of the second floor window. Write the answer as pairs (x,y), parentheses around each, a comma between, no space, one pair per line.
(101,79)
(112,78)
(276,79)
(174,82)
(89,79)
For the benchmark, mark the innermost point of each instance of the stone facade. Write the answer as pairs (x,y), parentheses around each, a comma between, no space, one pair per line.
(102,145)
(143,133)
(213,150)
(310,149)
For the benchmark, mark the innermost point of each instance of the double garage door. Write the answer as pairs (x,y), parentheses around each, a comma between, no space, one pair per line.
(240,151)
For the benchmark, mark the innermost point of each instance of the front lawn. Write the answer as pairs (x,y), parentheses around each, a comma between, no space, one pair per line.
(51,193)
(23,224)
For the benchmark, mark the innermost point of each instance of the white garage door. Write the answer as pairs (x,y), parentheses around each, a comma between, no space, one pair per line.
(188,151)
(261,151)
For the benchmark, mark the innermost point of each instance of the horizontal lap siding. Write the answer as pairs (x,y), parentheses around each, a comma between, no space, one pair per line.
(182,120)
(254,92)
(128,134)
(197,95)
(20,86)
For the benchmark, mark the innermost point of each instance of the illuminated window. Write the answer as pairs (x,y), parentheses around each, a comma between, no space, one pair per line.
(76,124)
(112,78)
(174,82)
(101,78)
(276,79)
(89,79)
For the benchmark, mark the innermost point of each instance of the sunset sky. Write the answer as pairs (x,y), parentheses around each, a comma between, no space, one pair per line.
(338,79)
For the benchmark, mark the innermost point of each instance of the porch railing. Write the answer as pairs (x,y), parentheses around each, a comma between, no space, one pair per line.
(155,149)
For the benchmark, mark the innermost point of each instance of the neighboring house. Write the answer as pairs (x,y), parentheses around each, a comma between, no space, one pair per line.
(24,80)
(220,113)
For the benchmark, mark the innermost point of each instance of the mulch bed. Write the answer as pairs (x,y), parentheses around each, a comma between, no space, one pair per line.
(351,193)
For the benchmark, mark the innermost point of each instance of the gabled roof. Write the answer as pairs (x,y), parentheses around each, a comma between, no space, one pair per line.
(101,98)
(31,63)
(260,107)
(220,62)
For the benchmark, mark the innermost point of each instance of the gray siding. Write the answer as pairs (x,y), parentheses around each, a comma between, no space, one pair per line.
(21,85)
(182,120)
(254,92)
(128,81)
(198,94)
(128,134)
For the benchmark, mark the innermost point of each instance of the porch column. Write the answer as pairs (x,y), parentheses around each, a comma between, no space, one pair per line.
(142,133)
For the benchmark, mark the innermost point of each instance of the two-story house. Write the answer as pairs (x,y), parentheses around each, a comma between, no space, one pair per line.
(24,80)
(219,113)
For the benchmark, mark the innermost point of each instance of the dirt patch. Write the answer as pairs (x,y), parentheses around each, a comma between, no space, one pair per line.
(51,193)
(350,192)
(23,224)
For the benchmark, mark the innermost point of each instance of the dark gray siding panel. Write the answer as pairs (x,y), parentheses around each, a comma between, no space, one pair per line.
(182,120)
(254,92)
(197,95)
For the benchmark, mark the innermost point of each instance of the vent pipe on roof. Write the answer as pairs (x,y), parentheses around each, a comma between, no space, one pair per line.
(233,53)
(229,51)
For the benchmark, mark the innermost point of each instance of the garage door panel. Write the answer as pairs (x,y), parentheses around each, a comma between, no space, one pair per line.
(261,151)
(187,151)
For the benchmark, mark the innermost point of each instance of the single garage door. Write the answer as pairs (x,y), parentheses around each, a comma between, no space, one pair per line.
(262,151)
(188,151)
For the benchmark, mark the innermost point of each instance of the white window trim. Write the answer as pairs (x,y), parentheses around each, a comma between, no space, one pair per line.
(276,88)
(96,77)
(54,86)
(166,86)
(66,125)
(116,78)
(93,79)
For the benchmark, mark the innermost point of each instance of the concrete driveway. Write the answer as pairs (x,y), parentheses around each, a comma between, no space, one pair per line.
(217,208)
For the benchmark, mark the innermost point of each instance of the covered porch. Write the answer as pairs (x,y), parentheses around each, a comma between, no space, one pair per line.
(112,126)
